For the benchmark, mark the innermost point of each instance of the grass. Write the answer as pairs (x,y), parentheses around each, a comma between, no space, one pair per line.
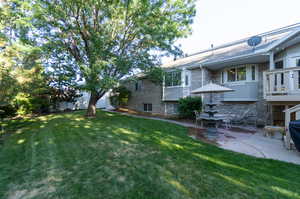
(113,156)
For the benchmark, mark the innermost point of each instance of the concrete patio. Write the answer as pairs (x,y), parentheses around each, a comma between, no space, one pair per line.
(257,145)
(254,144)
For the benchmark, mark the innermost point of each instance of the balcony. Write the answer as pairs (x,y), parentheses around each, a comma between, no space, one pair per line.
(282,84)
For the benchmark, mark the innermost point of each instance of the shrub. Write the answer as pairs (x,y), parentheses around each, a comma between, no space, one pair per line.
(26,104)
(120,96)
(7,111)
(187,106)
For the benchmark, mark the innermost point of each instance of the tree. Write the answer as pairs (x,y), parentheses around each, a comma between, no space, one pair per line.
(99,42)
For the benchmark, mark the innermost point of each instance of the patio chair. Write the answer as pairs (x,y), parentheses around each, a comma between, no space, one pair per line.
(240,118)
(227,121)
(227,118)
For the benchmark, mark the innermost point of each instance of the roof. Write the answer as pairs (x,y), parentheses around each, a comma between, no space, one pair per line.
(237,49)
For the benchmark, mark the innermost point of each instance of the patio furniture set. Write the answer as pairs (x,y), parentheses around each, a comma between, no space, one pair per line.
(227,119)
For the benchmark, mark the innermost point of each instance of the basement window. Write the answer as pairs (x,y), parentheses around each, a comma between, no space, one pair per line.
(147,107)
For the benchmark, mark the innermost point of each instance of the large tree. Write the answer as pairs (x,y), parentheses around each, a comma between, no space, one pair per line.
(99,42)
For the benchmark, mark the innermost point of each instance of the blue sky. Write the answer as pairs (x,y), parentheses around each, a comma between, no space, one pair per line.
(221,21)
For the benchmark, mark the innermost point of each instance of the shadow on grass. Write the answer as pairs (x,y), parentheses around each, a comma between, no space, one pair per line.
(123,157)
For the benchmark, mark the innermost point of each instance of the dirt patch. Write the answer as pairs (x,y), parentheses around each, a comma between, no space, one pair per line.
(199,134)
(134,112)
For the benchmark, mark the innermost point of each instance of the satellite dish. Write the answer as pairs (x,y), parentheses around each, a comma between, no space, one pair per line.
(254,41)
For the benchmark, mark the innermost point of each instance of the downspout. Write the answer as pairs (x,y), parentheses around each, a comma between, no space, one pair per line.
(202,84)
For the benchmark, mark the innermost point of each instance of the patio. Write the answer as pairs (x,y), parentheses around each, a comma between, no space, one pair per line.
(257,145)
(254,144)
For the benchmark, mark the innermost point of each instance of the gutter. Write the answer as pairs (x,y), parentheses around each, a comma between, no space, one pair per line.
(237,58)
(263,53)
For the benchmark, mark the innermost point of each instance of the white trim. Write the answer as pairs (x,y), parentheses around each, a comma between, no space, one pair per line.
(278,60)
(181,83)
(277,43)
(248,74)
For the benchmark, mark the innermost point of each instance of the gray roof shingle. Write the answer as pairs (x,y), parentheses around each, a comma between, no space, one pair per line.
(235,49)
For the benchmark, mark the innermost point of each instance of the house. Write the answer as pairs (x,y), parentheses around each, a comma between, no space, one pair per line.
(264,71)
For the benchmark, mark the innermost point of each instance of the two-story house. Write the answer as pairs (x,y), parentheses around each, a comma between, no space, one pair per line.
(263,70)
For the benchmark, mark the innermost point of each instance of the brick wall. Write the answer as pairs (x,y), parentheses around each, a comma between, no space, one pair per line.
(148,93)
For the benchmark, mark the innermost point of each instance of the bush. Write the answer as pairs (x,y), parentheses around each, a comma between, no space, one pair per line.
(187,106)
(26,104)
(120,96)
(7,111)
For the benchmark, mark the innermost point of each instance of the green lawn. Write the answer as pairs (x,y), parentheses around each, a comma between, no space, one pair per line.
(113,156)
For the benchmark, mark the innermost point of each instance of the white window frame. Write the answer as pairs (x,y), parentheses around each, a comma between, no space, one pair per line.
(187,73)
(147,107)
(278,60)
(236,74)
(248,74)
(181,82)
(297,59)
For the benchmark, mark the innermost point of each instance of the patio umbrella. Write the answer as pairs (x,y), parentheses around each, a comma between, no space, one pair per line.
(212,88)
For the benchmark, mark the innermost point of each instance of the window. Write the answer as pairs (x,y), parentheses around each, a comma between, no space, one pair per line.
(297,62)
(299,79)
(173,78)
(138,85)
(236,74)
(241,74)
(175,108)
(231,74)
(147,107)
(253,73)
(279,64)
(186,80)
(222,77)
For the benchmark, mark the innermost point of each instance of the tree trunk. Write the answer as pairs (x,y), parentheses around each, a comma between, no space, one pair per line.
(91,111)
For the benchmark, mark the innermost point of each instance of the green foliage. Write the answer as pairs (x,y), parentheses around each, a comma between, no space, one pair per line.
(26,103)
(187,106)
(120,96)
(173,78)
(7,111)
(155,75)
(24,85)
(100,42)
(63,95)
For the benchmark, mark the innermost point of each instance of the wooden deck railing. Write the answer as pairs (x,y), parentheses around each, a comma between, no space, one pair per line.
(282,82)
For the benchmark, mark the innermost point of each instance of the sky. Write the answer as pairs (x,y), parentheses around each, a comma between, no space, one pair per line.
(221,21)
